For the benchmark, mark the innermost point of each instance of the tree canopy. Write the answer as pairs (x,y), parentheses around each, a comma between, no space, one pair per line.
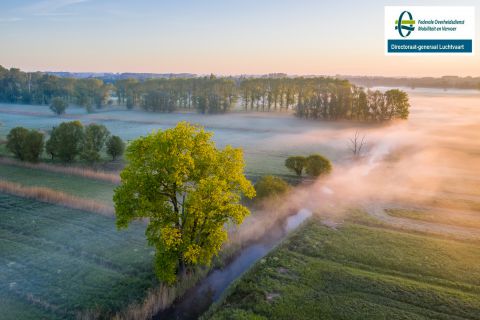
(26,145)
(296,164)
(94,139)
(115,146)
(66,141)
(188,189)
(58,105)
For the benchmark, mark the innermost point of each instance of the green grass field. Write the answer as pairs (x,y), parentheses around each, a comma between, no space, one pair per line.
(56,262)
(70,184)
(359,272)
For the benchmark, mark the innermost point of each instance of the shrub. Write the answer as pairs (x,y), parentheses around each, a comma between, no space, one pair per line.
(269,186)
(317,165)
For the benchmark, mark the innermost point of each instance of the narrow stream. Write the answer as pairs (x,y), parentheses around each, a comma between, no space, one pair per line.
(198,299)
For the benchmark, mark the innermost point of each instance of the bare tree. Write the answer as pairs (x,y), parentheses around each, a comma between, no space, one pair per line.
(357,144)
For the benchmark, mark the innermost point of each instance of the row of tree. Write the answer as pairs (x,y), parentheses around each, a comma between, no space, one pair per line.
(40,88)
(323,98)
(206,95)
(66,142)
(312,97)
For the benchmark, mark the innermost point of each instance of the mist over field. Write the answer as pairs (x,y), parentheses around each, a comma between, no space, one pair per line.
(430,162)
(418,175)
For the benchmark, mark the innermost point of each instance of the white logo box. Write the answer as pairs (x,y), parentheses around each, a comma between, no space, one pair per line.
(465,31)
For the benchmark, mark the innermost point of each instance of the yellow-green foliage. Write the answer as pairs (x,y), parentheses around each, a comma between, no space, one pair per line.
(188,189)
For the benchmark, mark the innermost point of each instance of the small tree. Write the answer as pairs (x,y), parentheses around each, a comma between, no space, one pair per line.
(16,142)
(115,146)
(317,165)
(269,186)
(94,140)
(58,105)
(357,144)
(188,190)
(66,141)
(296,164)
(26,145)
(34,145)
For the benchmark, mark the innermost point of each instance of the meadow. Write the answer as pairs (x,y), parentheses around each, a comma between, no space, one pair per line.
(57,262)
(357,271)
(60,261)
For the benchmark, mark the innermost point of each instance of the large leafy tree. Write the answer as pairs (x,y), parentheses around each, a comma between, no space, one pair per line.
(188,190)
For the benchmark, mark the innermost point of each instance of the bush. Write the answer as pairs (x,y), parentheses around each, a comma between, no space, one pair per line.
(269,186)
(26,145)
(317,165)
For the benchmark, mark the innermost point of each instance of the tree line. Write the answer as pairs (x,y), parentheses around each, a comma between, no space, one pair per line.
(206,95)
(67,142)
(40,88)
(309,97)
(323,98)
(312,98)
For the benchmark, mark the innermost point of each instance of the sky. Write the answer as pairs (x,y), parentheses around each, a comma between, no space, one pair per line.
(224,37)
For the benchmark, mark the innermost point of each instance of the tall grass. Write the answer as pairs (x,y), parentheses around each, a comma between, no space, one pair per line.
(160,298)
(55,197)
(76,171)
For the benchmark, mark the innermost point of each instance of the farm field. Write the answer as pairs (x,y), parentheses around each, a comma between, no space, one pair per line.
(359,272)
(58,262)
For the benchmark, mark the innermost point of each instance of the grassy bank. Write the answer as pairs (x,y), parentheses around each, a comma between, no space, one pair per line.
(359,272)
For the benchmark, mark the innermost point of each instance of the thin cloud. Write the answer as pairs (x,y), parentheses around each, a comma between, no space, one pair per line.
(52,7)
(12,19)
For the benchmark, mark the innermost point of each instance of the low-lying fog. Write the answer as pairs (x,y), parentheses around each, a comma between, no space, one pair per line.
(433,155)
(431,162)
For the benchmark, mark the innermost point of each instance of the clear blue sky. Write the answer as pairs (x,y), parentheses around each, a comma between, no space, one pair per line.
(219,36)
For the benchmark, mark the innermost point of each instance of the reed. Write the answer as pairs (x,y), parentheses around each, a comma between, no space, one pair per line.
(70,170)
(55,197)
